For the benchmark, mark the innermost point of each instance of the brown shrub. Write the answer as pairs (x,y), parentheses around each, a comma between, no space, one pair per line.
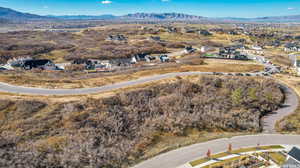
(114,131)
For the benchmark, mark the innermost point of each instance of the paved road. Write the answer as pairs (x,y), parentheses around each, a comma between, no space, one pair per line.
(183,155)
(41,91)
(290,105)
(4,87)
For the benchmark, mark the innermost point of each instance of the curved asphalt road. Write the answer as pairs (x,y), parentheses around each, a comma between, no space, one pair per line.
(4,87)
(290,105)
(268,122)
(181,156)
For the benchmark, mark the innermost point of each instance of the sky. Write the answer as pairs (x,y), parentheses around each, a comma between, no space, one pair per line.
(207,8)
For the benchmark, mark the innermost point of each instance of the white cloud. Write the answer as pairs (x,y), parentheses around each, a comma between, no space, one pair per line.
(106,2)
(290,8)
(45,7)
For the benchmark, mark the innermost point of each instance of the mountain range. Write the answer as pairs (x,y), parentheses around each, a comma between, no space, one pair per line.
(162,16)
(7,14)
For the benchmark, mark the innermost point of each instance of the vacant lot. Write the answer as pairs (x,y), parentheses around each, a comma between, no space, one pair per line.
(119,130)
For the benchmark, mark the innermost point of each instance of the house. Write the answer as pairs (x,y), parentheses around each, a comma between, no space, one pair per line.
(204,49)
(172,29)
(257,48)
(293,159)
(103,65)
(228,52)
(164,58)
(254,50)
(62,66)
(121,62)
(141,57)
(17,62)
(204,32)
(6,67)
(295,61)
(93,64)
(189,49)
(292,47)
(232,53)
(188,30)
(232,32)
(217,30)
(118,38)
(275,43)
(154,38)
(39,63)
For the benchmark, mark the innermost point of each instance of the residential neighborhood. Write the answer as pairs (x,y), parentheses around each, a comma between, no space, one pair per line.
(149,84)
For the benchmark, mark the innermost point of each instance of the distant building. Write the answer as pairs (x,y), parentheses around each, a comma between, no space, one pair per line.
(62,66)
(189,49)
(142,57)
(257,48)
(40,63)
(295,61)
(293,159)
(172,29)
(164,58)
(154,38)
(188,30)
(231,53)
(292,47)
(205,33)
(118,37)
(204,49)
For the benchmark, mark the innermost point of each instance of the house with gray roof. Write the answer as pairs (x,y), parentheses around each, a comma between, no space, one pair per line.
(293,159)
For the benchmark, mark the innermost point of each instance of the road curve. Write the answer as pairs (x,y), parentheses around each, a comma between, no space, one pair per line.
(180,156)
(291,103)
(268,122)
(183,155)
(4,87)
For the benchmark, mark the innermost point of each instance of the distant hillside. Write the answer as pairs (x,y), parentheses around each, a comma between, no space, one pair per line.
(295,18)
(9,14)
(86,17)
(161,16)
(3,21)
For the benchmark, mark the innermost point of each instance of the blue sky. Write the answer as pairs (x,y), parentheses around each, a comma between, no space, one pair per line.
(209,8)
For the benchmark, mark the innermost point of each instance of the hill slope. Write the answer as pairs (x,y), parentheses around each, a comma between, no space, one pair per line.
(162,16)
(9,14)
(86,17)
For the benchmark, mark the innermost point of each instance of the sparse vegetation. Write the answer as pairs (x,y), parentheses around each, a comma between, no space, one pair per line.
(116,131)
